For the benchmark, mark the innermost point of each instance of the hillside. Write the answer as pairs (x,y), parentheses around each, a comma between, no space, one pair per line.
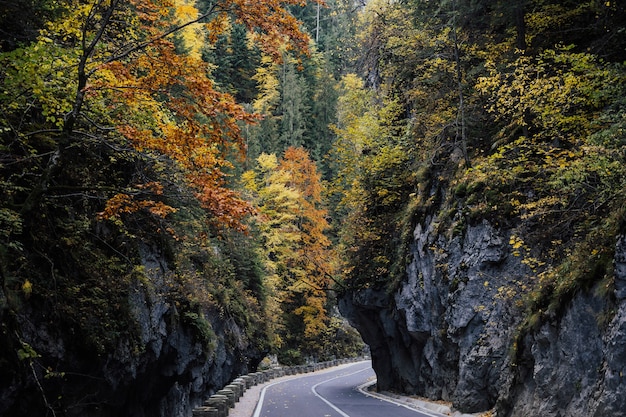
(137,276)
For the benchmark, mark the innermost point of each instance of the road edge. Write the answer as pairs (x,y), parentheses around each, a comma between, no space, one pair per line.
(247,404)
(427,407)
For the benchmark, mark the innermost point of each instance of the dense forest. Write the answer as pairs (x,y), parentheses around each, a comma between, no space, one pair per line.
(205,179)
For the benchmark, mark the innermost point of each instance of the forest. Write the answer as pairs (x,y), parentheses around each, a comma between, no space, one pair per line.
(230,169)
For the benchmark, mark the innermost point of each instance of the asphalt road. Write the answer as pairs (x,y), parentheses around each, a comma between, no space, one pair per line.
(330,394)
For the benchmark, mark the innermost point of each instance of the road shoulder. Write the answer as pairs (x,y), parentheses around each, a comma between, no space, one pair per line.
(435,409)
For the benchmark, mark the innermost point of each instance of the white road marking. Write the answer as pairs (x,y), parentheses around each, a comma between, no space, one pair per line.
(361,389)
(331,379)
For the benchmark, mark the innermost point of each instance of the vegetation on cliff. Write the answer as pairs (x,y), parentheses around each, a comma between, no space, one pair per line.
(510,111)
(471,124)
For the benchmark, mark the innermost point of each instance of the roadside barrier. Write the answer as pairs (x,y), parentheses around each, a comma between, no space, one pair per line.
(219,404)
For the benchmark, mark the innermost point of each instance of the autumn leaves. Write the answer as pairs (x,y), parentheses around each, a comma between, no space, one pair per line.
(134,68)
(129,76)
(297,257)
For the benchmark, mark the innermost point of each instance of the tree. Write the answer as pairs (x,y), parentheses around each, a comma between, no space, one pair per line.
(314,254)
(372,181)
(110,72)
(236,59)
(321,102)
(264,137)
(548,107)
(298,259)
(296,101)
(293,109)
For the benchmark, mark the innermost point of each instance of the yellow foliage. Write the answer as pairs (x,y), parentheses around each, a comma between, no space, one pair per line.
(296,253)
(267,79)
(27,288)
(70,27)
(193,35)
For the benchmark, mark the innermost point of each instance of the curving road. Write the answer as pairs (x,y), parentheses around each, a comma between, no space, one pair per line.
(329,394)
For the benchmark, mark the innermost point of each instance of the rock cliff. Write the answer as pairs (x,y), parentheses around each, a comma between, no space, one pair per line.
(175,358)
(451,331)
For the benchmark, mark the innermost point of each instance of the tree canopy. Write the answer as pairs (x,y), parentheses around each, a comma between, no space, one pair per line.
(299,261)
(111,72)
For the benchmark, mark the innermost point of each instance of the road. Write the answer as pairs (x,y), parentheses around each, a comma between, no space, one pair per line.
(329,394)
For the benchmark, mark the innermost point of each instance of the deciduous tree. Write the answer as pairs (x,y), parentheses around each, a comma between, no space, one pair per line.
(299,262)
(110,71)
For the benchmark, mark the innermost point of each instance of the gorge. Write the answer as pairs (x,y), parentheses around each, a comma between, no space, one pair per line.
(191,190)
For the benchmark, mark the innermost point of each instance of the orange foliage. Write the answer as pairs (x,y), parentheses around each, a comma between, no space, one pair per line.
(275,24)
(315,256)
(124,203)
(164,102)
(303,173)
(303,177)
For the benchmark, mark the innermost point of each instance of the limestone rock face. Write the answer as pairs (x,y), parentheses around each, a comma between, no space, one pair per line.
(449,330)
(172,372)
(575,366)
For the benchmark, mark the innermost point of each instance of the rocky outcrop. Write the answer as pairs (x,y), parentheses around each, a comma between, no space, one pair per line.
(576,365)
(449,332)
(170,368)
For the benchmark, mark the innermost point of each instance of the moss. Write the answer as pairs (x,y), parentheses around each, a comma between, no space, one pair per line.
(202,328)
(461,190)
(459,227)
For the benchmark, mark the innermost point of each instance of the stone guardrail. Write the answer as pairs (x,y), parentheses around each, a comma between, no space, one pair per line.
(220,403)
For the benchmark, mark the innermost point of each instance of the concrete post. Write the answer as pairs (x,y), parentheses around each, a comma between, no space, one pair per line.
(230,395)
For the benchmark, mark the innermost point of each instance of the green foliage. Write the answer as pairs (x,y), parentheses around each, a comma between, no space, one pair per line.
(297,102)
(553,97)
(340,340)
(216,276)
(555,169)
(11,224)
(588,264)
(293,108)
(27,352)
(37,72)
(373,181)
(291,357)
(548,154)
(203,329)
(533,90)
(235,59)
